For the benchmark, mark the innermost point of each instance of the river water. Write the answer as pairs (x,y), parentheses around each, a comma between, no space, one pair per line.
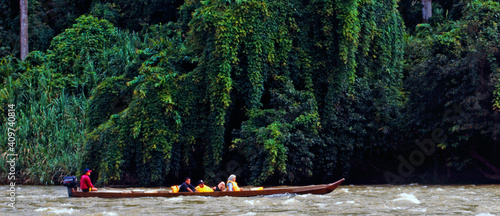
(481,200)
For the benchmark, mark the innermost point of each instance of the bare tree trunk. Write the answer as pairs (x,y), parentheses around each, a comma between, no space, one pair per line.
(426,10)
(23,4)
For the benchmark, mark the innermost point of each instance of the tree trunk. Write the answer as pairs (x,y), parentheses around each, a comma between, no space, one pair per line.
(426,10)
(23,4)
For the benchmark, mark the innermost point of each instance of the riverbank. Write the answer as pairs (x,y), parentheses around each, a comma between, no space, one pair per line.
(357,177)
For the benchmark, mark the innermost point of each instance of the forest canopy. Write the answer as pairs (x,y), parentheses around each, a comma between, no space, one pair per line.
(277,92)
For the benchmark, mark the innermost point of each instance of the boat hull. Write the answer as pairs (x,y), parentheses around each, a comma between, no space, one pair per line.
(311,189)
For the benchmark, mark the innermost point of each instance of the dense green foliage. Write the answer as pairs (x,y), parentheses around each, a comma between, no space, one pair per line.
(272,91)
(51,96)
(49,125)
(40,33)
(48,18)
(453,85)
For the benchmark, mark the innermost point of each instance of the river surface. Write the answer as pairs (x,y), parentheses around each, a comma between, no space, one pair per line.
(480,200)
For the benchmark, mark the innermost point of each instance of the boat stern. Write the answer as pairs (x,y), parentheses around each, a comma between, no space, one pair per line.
(70,182)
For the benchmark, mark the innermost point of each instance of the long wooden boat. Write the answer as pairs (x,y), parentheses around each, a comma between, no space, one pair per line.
(311,189)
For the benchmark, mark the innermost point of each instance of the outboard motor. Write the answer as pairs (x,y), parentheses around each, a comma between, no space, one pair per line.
(70,182)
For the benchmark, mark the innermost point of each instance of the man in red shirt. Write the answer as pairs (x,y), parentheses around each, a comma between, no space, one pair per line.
(85,183)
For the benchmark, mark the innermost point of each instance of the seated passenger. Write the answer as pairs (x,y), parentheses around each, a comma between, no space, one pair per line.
(231,183)
(85,183)
(202,187)
(186,186)
(221,187)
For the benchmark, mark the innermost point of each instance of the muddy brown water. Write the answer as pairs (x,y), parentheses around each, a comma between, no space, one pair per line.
(479,200)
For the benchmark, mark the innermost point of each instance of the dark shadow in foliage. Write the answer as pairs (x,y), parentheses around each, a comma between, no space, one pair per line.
(453,70)
(111,97)
(277,142)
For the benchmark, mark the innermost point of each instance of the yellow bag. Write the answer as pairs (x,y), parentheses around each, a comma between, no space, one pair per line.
(257,188)
(175,189)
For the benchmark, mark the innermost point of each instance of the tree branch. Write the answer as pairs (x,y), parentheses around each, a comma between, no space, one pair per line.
(490,176)
(491,167)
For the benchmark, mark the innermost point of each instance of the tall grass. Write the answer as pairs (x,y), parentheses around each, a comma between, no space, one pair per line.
(50,118)
(49,132)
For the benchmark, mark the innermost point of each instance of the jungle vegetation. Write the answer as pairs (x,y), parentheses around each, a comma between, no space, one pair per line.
(277,92)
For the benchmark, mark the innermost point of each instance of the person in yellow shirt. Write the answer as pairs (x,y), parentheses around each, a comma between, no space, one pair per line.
(231,183)
(203,188)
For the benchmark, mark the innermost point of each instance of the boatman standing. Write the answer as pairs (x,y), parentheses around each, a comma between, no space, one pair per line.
(85,183)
